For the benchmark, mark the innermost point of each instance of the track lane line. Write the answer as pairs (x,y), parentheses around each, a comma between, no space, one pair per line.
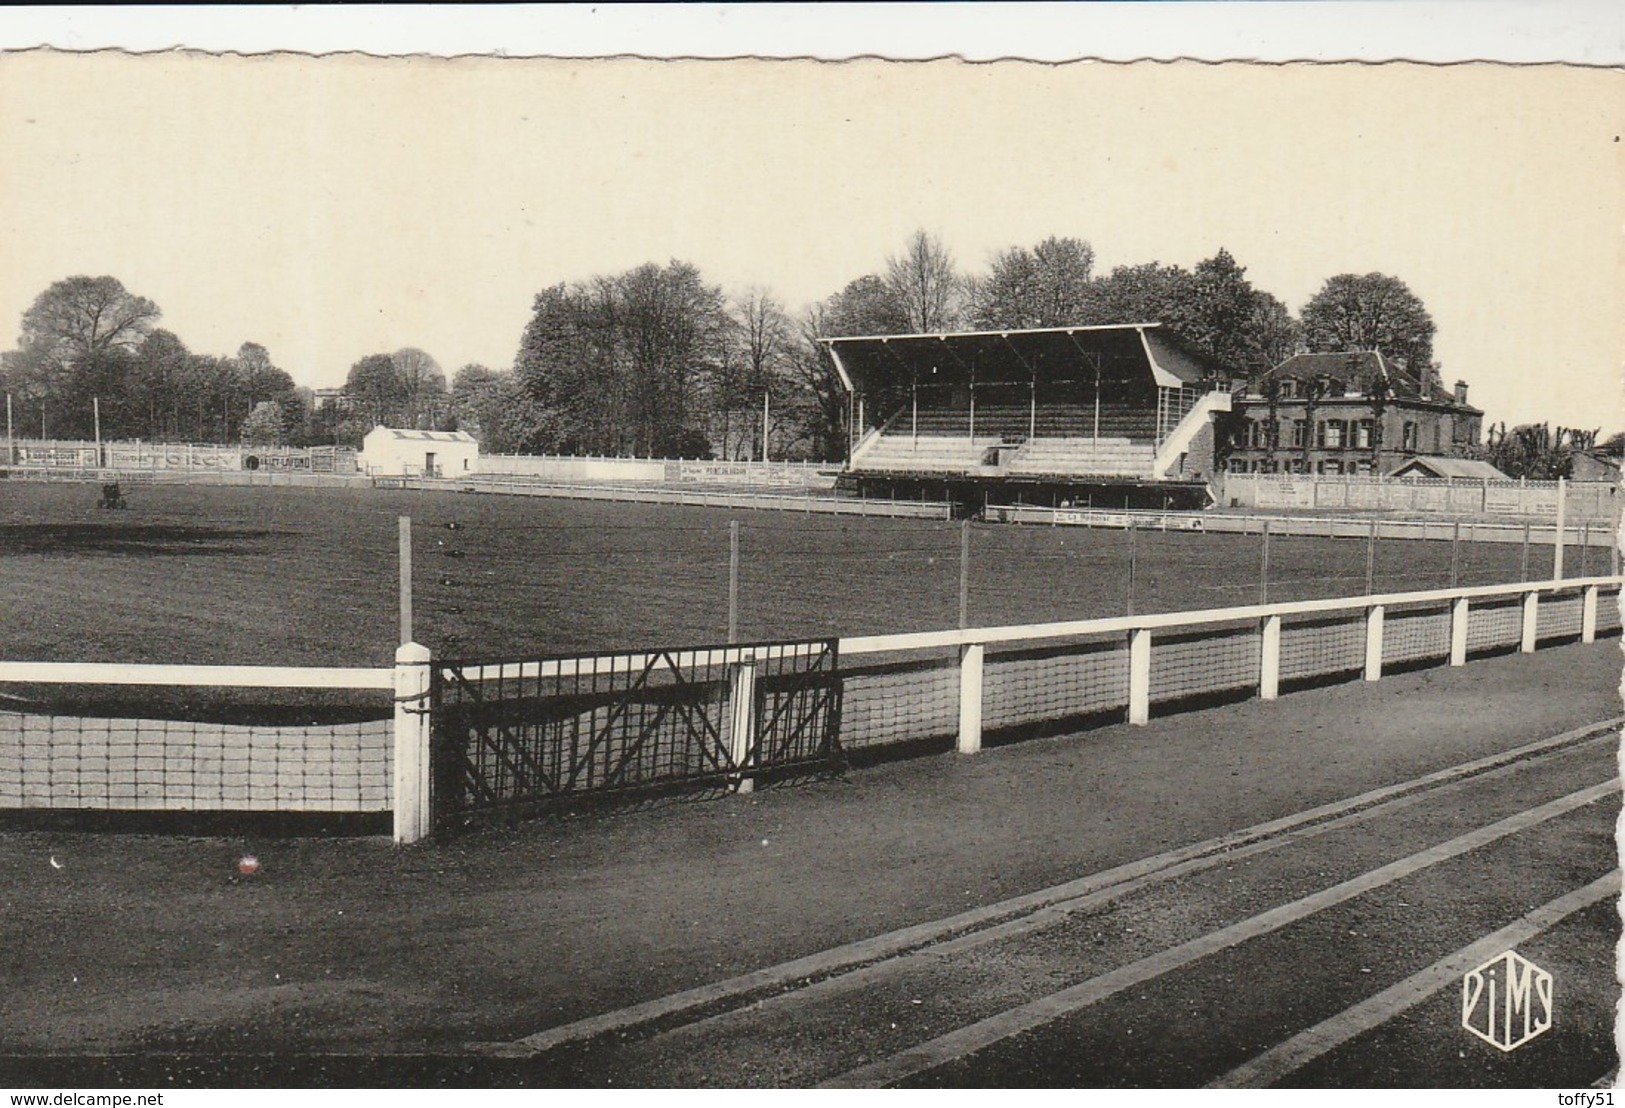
(1036,1013)
(892,943)
(843,981)
(1304,1047)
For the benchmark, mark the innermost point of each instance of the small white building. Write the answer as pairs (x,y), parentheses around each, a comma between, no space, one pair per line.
(395,452)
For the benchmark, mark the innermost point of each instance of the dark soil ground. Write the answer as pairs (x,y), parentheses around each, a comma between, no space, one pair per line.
(139,945)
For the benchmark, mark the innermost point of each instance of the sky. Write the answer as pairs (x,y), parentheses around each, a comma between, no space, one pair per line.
(333,207)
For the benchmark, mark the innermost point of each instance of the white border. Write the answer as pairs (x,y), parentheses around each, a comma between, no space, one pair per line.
(1584,31)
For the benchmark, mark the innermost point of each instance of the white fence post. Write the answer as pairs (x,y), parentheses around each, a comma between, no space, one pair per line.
(1269,659)
(1531,609)
(970,698)
(1588,615)
(1373,643)
(1458,631)
(743,731)
(1139,675)
(411,795)
(1557,539)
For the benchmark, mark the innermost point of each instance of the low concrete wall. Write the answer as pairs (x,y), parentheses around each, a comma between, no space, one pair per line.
(1597,501)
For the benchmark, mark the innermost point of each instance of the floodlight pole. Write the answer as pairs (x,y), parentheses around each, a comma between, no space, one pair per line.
(11,446)
(406,577)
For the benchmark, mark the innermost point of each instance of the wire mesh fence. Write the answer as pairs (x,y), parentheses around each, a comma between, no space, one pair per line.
(84,762)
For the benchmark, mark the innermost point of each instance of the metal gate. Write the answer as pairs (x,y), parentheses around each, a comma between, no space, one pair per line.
(522,736)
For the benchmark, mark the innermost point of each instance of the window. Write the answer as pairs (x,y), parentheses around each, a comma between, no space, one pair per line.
(1407,440)
(1363,434)
(1331,465)
(1289,388)
(1330,434)
(1300,431)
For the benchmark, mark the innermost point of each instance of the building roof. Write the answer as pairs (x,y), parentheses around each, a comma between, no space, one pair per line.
(423,436)
(1121,351)
(1358,369)
(1453,468)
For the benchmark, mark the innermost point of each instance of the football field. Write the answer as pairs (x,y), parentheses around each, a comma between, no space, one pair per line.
(287,576)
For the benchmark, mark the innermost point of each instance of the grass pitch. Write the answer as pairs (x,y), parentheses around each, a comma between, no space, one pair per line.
(284,576)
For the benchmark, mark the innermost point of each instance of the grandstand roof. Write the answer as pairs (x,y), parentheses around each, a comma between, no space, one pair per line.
(1119,351)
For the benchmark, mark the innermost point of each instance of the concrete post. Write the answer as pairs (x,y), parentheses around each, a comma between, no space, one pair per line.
(1139,675)
(970,698)
(411,798)
(1373,643)
(1458,631)
(1531,609)
(743,731)
(1269,659)
(1557,541)
(1588,615)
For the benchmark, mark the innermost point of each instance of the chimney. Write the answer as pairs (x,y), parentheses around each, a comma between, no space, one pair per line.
(1461,393)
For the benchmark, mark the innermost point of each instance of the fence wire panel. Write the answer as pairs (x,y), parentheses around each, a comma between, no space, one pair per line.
(1030,686)
(1608,612)
(73,762)
(899,702)
(523,735)
(1196,663)
(1415,634)
(1558,615)
(1494,624)
(1317,647)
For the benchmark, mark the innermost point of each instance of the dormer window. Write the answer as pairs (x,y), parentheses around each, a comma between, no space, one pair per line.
(1289,388)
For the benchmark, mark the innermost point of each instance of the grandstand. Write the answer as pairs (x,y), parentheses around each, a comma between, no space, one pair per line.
(1118,415)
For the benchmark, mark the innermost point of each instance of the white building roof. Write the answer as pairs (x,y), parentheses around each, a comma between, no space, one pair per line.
(1454,468)
(424,436)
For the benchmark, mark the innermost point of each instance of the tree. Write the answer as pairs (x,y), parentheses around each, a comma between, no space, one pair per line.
(1371,312)
(1216,311)
(79,317)
(621,364)
(1275,335)
(375,389)
(158,379)
(925,284)
(1148,293)
(263,427)
(866,306)
(423,387)
(77,348)
(1047,286)
(752,366)
(254,365)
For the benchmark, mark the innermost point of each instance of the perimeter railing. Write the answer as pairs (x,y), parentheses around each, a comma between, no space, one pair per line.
(195,740)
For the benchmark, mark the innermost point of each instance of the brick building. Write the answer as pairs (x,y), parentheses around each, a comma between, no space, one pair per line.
(1353,412)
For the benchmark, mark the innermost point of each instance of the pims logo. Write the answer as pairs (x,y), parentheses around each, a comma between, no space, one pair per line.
(1507,1001)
